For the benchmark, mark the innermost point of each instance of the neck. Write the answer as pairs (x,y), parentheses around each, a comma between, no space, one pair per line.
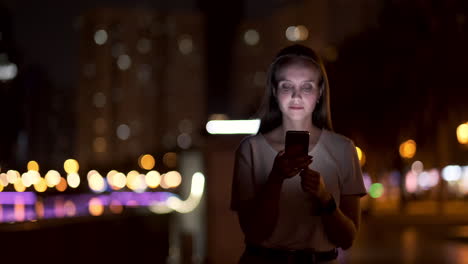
(305,125)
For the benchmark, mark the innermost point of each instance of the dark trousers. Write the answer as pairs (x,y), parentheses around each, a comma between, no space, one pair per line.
(260,255)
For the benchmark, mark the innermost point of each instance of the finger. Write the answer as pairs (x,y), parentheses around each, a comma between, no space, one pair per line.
(301,162)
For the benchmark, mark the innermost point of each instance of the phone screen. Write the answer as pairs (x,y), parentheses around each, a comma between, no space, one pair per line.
(297,142)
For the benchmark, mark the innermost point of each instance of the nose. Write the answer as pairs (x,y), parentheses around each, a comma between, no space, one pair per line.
(295,94)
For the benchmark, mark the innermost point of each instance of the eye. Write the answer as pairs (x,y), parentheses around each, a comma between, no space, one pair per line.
(285,87)
(307,88)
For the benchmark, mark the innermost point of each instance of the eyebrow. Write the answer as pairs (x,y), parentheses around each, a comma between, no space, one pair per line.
(286,80)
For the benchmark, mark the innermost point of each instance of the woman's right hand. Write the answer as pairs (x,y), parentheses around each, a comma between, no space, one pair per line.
(287,166)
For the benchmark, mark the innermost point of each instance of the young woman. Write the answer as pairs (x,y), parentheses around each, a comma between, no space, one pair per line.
(296,208)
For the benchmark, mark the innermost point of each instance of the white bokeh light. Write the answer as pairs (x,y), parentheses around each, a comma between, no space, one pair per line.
(100,37)
(124,62)
(251,37)
(123,132)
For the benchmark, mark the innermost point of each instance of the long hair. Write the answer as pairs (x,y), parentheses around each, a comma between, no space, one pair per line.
(270,114)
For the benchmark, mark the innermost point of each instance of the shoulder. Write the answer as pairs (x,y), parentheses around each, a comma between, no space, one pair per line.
(337,140)
(246,143)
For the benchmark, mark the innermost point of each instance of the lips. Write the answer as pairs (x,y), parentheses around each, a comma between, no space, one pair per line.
(296,107)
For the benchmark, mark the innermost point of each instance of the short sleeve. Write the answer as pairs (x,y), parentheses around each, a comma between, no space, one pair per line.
(353,183)
(242,182)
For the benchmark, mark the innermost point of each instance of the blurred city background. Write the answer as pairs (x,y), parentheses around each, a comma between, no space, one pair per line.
(108,144)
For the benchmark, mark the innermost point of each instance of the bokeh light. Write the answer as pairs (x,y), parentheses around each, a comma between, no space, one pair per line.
(251,37)
(153,179)
(297,33)
(303,32)
(417,167)
(69,208)
(34,176)
(361,156)
(185,44)
(367,180)
(39,208)
(184,141)
(52,178)
(73,180)
(13,176)
(428,179)
(171,179)
(146,162)
(100,125)
(136,181)
(96,182)
(123,132)
(462,133)
(452,173)
(71,166)
(411,182)
(19,210)
(218,117)
(376,190)
(41,185)
(120,180)
(95,207)
(33,165)
(116,207)
(100,145)
(100,37)
(124,62)
(408,149)
(3,179)
(19,186)
(99,99)
(26,178)
(233,126)
(62,185)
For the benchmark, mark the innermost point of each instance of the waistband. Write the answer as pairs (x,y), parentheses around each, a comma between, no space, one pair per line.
(308,256)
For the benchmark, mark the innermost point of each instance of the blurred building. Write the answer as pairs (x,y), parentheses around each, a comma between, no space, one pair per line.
(141,89)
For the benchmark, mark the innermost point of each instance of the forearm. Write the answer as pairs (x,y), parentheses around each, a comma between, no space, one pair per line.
(340,229)
(262,214)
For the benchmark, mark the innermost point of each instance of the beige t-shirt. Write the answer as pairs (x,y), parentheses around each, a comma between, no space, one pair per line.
(334,157)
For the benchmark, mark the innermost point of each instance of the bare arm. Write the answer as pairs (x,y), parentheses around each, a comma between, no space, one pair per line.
(342,225)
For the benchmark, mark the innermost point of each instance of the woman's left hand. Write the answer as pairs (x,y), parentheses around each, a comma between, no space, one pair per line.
(312,183)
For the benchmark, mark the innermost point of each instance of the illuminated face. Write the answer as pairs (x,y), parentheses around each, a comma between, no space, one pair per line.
(298,91)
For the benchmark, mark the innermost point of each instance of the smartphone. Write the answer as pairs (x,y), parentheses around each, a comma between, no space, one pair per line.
(297,142)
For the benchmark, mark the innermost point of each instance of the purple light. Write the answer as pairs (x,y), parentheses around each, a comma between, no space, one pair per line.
(10,198)
(54,206)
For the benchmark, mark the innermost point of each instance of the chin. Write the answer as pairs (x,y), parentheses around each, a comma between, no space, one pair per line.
(298,117)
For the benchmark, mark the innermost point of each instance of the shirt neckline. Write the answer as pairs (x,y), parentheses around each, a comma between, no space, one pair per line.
(275,151)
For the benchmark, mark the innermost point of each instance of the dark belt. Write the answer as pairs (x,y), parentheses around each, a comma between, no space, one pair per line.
(308,256)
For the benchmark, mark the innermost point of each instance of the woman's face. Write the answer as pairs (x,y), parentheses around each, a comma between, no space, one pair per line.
(298,91)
